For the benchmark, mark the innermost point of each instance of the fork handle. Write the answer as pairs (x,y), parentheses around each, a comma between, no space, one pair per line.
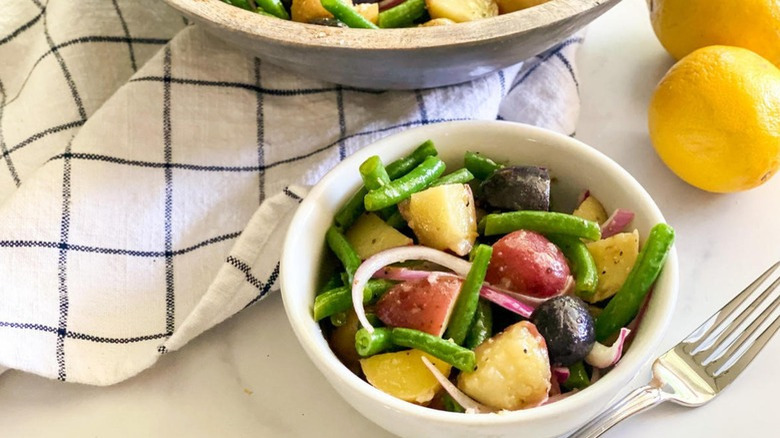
(639,400)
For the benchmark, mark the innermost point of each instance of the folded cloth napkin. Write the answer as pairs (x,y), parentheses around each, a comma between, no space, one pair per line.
(149,172)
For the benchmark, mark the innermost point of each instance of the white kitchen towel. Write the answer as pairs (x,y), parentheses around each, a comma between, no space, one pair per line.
(136,152)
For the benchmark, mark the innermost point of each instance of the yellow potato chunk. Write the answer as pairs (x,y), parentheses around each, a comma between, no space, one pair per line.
(369,11)
(404,375)
(370,235)
(443,217)
(507,6)
(305,11)
(462,10)
(513,369)
(437,22)
(614,257)
(592,210)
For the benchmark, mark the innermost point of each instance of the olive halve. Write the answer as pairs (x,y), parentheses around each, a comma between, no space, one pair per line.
(567,327)
(517,188)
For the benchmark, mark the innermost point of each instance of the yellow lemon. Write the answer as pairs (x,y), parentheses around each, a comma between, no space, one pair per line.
(683,26)
(714,119)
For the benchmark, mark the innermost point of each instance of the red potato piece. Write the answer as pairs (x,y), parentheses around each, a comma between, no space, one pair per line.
(423,305)
(526,262)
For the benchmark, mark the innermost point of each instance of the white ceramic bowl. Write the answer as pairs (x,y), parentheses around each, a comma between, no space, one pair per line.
(575,167)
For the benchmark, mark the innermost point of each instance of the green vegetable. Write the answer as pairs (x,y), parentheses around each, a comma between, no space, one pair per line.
(450,405)
(544,222)
(479,165)
(403,15)
(398,190)
(396,220)
(369,344)
(624,306)
(338,319)
(349,213)
(482,326)
(455,355)
(578,377)
(460,176)
(344,251)
(346,14)
(340,299)
(243,4)
(262,12)
(468,298)
(333,282)
(373,173)
(583,266)
(273,7)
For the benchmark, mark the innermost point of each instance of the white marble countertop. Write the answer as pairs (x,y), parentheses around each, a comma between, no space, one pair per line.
(248,377)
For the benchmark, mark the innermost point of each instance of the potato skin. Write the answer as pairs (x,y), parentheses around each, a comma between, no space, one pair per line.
(513,370)
(525,261)
(423,305)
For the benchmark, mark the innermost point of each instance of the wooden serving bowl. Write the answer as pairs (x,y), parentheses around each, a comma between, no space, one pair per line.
(409,58)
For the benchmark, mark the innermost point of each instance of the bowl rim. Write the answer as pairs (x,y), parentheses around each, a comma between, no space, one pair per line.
(300,35)
(605,389)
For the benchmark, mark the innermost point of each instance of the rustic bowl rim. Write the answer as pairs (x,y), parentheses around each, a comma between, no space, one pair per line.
(294,34)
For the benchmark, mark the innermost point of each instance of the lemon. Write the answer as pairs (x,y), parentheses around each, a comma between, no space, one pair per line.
(683,26)
(714,119)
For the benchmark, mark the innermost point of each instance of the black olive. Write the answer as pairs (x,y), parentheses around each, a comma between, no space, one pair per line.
(567,327)
(517,188)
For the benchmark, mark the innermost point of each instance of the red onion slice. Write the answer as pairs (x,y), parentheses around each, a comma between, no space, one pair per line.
(616,223)
(396,255)
(561,373)
(583,196)
(601,356)
(469,404)
(387,4)
(506,301)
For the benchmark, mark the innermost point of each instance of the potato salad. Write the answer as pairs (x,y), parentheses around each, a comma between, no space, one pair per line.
(463,291)
(376,14)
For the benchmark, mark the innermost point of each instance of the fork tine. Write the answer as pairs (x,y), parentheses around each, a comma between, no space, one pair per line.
(722,341)
(714,323)
(736,369)
(715,365)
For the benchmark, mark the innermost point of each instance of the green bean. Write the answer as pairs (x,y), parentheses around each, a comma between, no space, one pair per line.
(583,266)
(333,282)
(369,344)
(349,212)
(545,222)
(262,12)
(402,15)
(578,377)
(468,298)
(624,306)
(482,327)
(273,7)
(398,190)
(373,173)
(346,14)
(344,251)
(450,405)
(481,166)
(340,299)
(338,319)
(243,4)
(460,176)
(402,166)
(450,352)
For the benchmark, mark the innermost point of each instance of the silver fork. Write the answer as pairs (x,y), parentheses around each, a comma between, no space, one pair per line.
(703,364)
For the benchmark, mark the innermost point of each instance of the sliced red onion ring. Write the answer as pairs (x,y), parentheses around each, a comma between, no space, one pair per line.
(601,356)
(505,299)
(396,255)
(469,404)
(616,223)
(387,4)
(595,376)
(561,373)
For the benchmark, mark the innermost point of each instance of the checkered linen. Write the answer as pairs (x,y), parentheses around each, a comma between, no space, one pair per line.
(136,151)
